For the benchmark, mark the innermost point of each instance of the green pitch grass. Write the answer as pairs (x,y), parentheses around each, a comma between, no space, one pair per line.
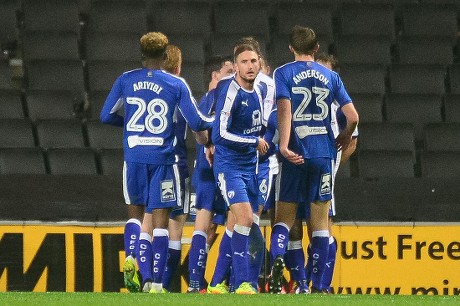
(175,299)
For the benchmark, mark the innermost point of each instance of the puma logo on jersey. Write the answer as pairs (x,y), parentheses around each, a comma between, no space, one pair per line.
(245,103)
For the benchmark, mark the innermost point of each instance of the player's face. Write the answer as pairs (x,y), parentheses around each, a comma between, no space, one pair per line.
(226,70)
(247,65)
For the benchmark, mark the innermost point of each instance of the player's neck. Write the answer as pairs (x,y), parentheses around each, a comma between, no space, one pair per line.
(151,63)
(304,58)
(245,84)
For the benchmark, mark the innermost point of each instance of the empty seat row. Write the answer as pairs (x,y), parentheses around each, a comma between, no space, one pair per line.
(70,133)
(76,161)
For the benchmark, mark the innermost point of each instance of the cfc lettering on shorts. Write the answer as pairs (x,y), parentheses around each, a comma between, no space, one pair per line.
(167,191)
(325,184)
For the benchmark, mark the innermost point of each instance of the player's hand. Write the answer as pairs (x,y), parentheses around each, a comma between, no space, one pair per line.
(262,146)
(291,156)
(210,155)
(342,141)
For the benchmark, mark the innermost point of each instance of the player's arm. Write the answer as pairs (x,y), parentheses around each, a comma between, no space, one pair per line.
(284,129)
(187,106)
(343,140)
(112,105)
(349,151)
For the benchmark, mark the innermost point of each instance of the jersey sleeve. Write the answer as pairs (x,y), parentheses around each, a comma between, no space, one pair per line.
(112,105)
(187,106)
(282,90)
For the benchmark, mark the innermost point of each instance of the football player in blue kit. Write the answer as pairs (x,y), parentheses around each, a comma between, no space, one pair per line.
(210,206)
(305,91)
(295,256)
(150,97)
(235,135)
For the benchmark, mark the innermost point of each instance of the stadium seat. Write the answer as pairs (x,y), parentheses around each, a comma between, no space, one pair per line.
(60,133)
(51,15)
(369,106)
(11,104)
(22,161)
(49,104)
(16,133)
(440,164)
(112,46)
(190,17)
(367,19)
(434,20)
(102,74)
(96,102)
(8,25)
(377,164)
(359,49)
(362,78)
(289,14)
(243,18)
(103,136)
(417,79)
(442,137)
(429,50)
(386,136)
(75,161)
(452,108)
(454,78)
(111,161)
(192,47)
(50,45)
(55,75)
(118,17)
(416,109)
(5,75)
(194,75)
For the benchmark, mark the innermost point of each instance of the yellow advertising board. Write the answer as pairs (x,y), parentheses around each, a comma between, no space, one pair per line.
(371,258)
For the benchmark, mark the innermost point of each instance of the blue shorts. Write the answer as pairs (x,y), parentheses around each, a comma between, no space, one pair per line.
(207,194)
(154,186)
(266,180)
(306,183)
(184,192)
(237,187)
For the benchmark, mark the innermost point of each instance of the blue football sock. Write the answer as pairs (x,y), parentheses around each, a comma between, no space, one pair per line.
(197,258)
(330,264)
(278,240)
(174,254)
(131,237)
(144,257)
(295,260)
(320,250)
(256,254)
(309,265)
(224,259)
(160,253)
(240,261)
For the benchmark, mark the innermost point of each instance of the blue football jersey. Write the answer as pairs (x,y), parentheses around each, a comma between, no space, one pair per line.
(180,131)
(237,127)
(150,99)
(206,106)
(311,88)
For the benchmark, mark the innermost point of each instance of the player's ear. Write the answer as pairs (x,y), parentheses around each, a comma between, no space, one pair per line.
(291,49)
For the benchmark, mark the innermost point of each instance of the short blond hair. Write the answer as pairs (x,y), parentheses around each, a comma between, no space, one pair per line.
(153,44)
(173,59)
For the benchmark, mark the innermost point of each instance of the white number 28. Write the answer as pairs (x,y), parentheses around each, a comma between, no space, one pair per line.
(156,110)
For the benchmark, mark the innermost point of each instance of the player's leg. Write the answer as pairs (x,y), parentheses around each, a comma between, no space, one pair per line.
(176,225)
(288,183)
(295,259)
(320,188)
(134,183)
(330,264)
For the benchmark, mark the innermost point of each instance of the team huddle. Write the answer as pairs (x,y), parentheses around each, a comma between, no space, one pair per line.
(263,145)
